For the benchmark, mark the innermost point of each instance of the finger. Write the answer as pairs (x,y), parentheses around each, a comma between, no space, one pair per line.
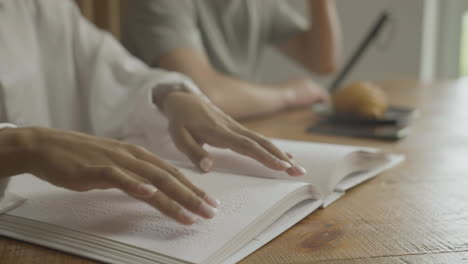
(169,185)
(202,194)
(262,141)
(191,148)
(182,195)
(294,170)
(115,177)
(130,184)
(171,209)
(147,156)
(245,146)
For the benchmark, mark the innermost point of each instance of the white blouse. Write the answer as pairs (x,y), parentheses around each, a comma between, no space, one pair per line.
(58,70)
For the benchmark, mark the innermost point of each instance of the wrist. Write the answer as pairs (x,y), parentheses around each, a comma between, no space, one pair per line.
(175,100)
(320,8)
(162,91)
(289,97)
(286,95)
(17,151)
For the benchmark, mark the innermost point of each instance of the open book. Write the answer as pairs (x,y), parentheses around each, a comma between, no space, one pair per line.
(257,204)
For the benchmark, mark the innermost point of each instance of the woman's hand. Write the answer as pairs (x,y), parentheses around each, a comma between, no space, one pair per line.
(193,122)
(303,92)
(81,162)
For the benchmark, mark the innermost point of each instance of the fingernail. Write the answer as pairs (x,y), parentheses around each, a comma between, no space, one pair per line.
(186,217)
(299,168)
(302,170)
(206,164)
(283,164)
(147,189)
(290,155)
(212,201)
(207,211)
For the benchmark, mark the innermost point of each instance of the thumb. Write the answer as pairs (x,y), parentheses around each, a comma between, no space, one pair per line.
(191,148)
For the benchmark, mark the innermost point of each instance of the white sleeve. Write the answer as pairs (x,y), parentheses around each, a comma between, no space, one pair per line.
(119,86)
(6,125)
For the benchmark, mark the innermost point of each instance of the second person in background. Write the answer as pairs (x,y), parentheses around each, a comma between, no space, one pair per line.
(219,45)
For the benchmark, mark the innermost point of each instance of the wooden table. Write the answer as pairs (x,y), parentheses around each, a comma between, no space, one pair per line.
(416,213)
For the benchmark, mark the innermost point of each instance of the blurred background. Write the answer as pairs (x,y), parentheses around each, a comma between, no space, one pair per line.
(426,39)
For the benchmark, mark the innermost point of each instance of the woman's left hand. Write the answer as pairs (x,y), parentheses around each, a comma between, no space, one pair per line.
(193,122)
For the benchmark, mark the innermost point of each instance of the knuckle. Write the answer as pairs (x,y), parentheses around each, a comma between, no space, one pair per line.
(247,143)
(264,141)
(174,171)
(195,204)
(166,206)
(135,149)
(123,148)
(200,192)
(213,129)
(171,208)
(166,181)
(108,172)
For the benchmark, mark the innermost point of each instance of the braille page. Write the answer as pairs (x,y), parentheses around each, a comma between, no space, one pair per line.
(321,161)
(113,215)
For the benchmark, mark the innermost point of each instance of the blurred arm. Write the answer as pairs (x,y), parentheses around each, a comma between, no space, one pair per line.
(235,97)
(318,49)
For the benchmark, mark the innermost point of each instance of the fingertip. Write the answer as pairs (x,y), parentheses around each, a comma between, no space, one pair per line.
(301,170)
(185,217)
(296,169)
(207,211)
(146,190)
(206,164)
(293,172)
(212,201)
(282,165)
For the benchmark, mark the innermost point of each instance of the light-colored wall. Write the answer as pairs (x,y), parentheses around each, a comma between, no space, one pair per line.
(397,53)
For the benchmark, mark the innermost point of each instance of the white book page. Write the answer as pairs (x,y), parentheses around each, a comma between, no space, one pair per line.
(320,160)
(113,215)
(364,175)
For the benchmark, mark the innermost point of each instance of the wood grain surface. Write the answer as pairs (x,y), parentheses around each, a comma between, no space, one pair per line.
(416,213)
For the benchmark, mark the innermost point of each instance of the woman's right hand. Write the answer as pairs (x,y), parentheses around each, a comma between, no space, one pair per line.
(303,92)
(82,162)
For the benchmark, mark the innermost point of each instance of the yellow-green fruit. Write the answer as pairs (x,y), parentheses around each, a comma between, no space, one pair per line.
(360,99)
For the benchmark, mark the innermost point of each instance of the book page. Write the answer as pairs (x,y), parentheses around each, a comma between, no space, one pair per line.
(322,162)
(327,165)
(368,168)
(113,215)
